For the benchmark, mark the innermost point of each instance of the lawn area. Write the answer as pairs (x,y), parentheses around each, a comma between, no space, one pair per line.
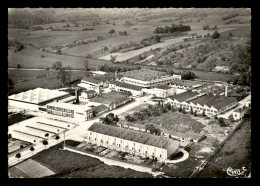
(235,153)
(80,166)
(110,97)
(15,118)
(176,121)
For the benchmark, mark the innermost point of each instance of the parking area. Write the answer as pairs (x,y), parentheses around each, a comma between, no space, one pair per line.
(109,153)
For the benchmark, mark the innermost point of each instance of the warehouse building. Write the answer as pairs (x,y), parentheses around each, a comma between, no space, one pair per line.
(209,104)
(131,141)
(184,84)
(78,113)
(124,87)
(36,98)
(147,78)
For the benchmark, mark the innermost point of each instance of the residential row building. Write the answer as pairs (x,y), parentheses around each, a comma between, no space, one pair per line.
(78,113)
(209,104)
(131,141)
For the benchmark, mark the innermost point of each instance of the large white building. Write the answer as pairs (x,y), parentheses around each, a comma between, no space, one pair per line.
(36,98)
(124,87)
(78,113)
(147,78)
(134,142)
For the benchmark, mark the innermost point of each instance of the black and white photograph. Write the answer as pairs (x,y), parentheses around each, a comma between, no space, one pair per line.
(129,93)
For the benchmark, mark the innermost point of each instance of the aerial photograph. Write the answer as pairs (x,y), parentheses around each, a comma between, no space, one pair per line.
(129,93)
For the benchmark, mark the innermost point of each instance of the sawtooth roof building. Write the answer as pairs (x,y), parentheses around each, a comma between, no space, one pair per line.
(131,141)
(32,99)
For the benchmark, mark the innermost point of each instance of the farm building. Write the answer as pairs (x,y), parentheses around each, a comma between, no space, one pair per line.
(124,87)
(134,142)
(66,110)
(36,98)
(146,78)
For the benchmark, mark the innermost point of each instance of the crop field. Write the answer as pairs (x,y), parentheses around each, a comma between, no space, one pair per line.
(32,58)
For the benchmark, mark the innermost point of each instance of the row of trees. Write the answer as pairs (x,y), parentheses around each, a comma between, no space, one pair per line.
(107,68)
(171,29)
(187,75)
(206,27)
(19,46)
(110,119)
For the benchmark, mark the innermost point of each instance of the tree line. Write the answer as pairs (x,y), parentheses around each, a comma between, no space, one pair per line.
(171,29)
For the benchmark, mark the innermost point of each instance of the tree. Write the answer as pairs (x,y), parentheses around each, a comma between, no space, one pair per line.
(231,117)
(9,136)
(18,156)
(191,110)
(10,85)
(86,65)
(112,31)
(203,113)
(21,146)
(64,75)
(230,34)
(46,135)
(157,38)
(45,142)
(59,52)
(221,122)
(18,66)
(113,58)
(180,109)
(195,114)
(32,149)
(57,138)
(215,35)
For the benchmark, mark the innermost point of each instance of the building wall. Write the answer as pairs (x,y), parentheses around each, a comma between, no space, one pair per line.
(127,146)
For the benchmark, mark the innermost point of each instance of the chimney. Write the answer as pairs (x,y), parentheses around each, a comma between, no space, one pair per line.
(115,74)
(77,95)
(226,91)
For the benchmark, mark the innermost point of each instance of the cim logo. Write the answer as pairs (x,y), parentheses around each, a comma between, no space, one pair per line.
(237,172)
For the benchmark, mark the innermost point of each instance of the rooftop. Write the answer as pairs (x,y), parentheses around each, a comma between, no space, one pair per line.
(164,87)
(187,83)
(91,80)
(38,95)
(123,122)
(144,74)
(184,96)
(135,136)
(125,85)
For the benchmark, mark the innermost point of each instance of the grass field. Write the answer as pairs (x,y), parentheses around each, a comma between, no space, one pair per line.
(50,81)
(110,97)
(235,153)
(79,166)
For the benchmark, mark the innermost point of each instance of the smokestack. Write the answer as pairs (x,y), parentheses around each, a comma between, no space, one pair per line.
(77,95)
(226,91)
(115,74)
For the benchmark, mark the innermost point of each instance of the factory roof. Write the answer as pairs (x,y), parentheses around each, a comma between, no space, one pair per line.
(184,96)
(135,136)
(69,106)
(125,85)
(38,95)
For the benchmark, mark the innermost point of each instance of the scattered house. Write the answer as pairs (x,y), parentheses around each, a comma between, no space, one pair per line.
(238,113)
(131,141)
(90,82)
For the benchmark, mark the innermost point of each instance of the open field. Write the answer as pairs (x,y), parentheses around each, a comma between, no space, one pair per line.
(34,169)
(30,82)
(32,58)
(110,97)
(235,153)
(80,166)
